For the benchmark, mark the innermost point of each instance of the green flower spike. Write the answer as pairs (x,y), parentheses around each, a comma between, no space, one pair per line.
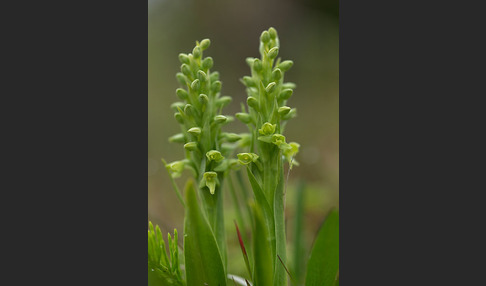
(267,129)
(247,158)
(214,155)
(211,179)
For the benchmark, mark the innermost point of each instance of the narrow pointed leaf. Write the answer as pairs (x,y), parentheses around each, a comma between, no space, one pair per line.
(323,263)
(203,261)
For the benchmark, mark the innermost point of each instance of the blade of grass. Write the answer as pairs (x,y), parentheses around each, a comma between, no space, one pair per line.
(324,259)
(243,250)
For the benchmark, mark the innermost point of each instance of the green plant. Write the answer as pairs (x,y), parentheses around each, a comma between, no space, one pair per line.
(210,155)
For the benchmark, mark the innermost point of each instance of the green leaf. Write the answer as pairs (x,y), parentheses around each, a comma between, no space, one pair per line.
(202,257)
(323,263)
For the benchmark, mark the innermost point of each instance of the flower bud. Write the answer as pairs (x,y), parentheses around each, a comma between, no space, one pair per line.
(196,52)
(243,117)
(267,128)
(285,65)
(191,146)
(179,117)
(223,101)
(183,58)
(182,94)
(248,81)
(265,37)
(276,74)
(186,70)
(220,119)
(292,113)
(270,87)
(289,85)
(214,76)
(231,137)
(189,110)
(202,76)
(273,53)
(205,44)
(247,158)
(177,138)
(216,87)
(285,94)
(250,61)
(181,78)
(196,131)
(207,63)
(176,105)
(283,110)
(257,65)
(273,33)
(245,140)
(253,103)
(214,155)
(203,99)
(195,85)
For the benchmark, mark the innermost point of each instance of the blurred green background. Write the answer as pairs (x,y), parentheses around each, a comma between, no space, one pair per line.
(309,35)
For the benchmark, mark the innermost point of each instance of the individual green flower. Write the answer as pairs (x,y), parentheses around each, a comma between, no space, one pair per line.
(292,151)
(211,179)
(247,158)
(175,168)
(267,128)
(278,139)
(214,155)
